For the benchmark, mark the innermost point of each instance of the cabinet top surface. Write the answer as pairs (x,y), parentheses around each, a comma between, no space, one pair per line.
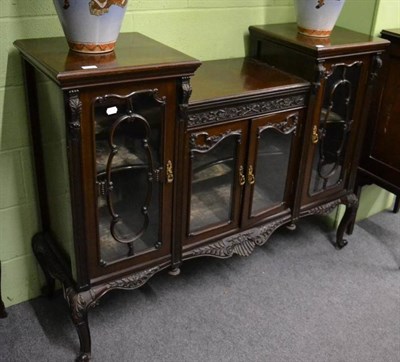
(134,55)
(342,41)
(232,78)
(391,33)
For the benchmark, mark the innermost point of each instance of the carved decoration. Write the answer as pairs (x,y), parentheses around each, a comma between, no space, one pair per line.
(209,142)
(79,303)
(322,209)
(185,91)
(377,65)
(329,72)
(242,244)
(351,200)
(245,110)
(319,75)
(75,108)
(287,126)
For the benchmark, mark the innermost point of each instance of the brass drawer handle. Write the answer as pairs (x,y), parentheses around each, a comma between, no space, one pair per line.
(170,172)
(242,177)
(250,176)
(315,136)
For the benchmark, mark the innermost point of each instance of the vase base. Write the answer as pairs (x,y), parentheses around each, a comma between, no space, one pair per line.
(316,33)
(92,48)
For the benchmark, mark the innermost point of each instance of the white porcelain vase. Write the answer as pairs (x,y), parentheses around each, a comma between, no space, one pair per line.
(91,26)
(317,18)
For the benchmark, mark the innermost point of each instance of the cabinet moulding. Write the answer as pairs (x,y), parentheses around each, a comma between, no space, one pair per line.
(245,110)
(243,243)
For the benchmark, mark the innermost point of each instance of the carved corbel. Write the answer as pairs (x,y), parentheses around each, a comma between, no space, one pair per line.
(320,71)
(75,112)
(185,92)
(376,66)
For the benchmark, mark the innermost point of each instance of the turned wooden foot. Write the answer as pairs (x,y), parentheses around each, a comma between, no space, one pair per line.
(174,272)
(291,227)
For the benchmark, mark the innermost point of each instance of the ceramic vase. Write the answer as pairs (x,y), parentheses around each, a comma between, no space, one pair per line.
(317,18)
(91,26)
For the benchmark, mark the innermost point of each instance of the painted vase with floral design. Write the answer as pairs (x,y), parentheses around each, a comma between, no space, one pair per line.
(317,17)
(91,26)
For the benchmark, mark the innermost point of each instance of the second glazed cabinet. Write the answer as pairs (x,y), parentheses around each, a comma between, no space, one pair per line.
(143,161)
(380,162)
(342,70)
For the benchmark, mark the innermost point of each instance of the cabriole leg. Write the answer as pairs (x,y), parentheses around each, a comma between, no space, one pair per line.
(351,202)
(41,252)
(79,304)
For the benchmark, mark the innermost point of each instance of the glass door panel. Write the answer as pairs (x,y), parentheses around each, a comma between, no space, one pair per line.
(271,170)
(268,168)
(128,162)
(335,125)
(214,166)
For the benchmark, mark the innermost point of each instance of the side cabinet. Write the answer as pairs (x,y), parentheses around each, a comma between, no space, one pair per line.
(242,155)
(104,131)
(142,163)
(380,162)
(342,70)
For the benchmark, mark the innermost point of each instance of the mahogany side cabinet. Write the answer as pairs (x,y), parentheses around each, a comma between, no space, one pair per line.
(380,162)
(143,161)
(105,129)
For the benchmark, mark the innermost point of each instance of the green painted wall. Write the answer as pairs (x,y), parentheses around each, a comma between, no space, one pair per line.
(206,29)
(358,15)
(387,16)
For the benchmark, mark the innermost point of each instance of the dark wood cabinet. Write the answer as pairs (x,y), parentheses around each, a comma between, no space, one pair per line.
(143,163)
(108,124)
(380,162)
(342,70)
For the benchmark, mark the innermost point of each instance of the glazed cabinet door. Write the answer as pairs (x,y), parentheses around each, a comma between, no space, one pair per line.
(134,174)
(215,178)
(334,129)
(272,165)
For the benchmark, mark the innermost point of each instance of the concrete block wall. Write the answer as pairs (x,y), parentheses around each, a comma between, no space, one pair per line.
(205,29)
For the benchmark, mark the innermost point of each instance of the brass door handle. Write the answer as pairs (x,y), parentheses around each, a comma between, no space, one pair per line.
(250,176)
(242,177)
(315,135)
(170,172)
